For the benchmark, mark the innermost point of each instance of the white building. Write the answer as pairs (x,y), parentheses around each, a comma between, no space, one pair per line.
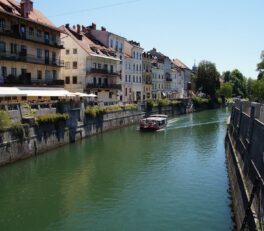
(114,42)
(90,66)
(133,86)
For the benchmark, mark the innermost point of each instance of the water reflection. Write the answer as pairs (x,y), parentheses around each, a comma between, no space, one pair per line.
(125,180)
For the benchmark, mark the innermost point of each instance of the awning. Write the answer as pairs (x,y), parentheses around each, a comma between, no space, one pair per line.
(10,91)
(80,94)
(46,92)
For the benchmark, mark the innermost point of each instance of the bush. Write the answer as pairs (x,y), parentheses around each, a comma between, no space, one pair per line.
(4,120)
(163,102)
(130,107)
(52,118)
(199,101)
(94,111)
(175,103)
(20,131)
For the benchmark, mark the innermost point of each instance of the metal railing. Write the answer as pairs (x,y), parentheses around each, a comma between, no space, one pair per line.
(105,86)
(103,71)
(24,57)
(15,33)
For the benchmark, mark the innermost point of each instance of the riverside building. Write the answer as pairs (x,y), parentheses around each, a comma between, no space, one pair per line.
(30,46)
(90,66)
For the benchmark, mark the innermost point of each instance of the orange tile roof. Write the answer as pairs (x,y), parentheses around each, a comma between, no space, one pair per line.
(179,64)
(14,8)
(89,43)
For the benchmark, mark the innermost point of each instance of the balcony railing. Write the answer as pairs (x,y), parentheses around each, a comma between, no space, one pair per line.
(15,33)
(24,57)
(102,71)
(25,80)
(104,86)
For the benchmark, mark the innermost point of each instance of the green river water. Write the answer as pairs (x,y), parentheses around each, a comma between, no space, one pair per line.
(125,180)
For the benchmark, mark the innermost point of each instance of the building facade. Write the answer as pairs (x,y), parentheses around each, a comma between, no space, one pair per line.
(30,46)
(114,42)
(133,82)
(90,67)
(147,76)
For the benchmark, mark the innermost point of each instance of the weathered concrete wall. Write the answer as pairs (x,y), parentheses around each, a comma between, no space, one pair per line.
(47,137)
(245,161)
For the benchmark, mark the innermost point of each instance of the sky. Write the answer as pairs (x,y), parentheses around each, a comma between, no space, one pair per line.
(229,33)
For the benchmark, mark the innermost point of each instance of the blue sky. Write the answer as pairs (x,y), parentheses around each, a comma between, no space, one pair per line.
(229,33)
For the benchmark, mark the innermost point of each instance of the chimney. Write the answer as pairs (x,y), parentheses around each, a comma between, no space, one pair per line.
(78,28)
(103,28)
(83,29)
(74,27)
(67,26)
(26,7)
(93,26)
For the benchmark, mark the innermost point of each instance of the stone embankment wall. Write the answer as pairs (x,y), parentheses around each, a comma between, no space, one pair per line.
(46,137)
(245,161)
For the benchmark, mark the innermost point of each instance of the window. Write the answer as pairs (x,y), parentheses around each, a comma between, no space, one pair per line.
(2,47)
(129,80)
(13,71)
(126,92)
(74,51)
(2,23)
(112,69)
(13,48)
(94,65)
(116,46)
(67,52)
(121,47)
(110,95)
(137,79)
(140,79)
(67,80)
(133,78)
(4,71)
(54,74)
(31,31)
(39,33)
(105,67)
(67,65)
(99,66)
(39,53)
(111,43)
(74,65)
(121,58)
(74,80)
(39,74)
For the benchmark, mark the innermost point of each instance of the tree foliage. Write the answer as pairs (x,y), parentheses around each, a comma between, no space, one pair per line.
(207,79)
(260,67)
(226,90)
(239,83)
(4,120)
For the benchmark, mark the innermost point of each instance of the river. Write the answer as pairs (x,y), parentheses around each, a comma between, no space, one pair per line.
(125,180)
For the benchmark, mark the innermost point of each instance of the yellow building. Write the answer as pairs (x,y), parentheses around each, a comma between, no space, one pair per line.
(29,46)
(90,67)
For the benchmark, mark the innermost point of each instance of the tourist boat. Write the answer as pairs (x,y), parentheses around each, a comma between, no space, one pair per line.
(153,123)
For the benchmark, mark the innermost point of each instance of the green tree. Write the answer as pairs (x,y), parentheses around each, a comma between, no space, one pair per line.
(260,67)
(258,90)
(226,90)
(226,75)
(250,85)
(239,83)
(207,79)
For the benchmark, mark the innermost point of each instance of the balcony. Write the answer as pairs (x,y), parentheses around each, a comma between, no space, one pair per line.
(103,71)
(168,79)
(104,86)
(15,33)
(24,57)
(25,80)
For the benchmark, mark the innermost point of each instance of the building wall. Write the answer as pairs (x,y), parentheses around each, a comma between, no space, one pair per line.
(68,72)
(27,50)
